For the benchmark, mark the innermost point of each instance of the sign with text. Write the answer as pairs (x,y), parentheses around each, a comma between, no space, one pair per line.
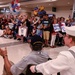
(23,31)
(56,27)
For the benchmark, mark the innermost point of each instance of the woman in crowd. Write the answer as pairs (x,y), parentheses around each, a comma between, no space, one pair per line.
(39,30)
(55,30)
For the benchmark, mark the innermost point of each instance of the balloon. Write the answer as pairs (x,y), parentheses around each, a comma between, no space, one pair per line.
(40,13)
(18,4)
(43,12)
(35,13)
(41,8)
(36,8)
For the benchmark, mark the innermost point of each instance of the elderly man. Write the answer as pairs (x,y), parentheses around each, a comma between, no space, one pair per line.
(65,61)
(37,56)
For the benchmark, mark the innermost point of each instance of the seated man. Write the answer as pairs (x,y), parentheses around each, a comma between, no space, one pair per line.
(37,56)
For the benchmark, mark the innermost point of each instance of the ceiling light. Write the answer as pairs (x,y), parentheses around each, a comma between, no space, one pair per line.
(53,0)
(4,5)
(50,0)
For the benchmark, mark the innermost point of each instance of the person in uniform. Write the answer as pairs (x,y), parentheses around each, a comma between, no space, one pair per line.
(65,61)
(36,56)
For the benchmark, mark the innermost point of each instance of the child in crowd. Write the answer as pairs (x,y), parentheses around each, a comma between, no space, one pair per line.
(39,29)
(22,32)
(55,30)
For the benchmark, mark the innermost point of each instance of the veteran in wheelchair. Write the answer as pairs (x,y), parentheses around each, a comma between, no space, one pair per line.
(36,56)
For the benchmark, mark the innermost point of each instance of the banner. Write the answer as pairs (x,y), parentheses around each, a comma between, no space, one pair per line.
(23,31)
(63,27)
(56,27)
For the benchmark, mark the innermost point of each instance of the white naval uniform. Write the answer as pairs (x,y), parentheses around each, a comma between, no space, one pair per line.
(64,63)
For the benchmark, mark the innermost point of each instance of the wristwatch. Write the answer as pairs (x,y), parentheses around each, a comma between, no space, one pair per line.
(35,69)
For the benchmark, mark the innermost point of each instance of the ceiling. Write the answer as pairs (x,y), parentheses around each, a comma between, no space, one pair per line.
(28,4)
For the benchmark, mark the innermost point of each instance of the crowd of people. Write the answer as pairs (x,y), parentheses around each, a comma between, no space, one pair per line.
(22,27)
(40,32)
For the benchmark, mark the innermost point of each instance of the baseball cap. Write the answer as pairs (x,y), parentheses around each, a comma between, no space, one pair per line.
(36,40)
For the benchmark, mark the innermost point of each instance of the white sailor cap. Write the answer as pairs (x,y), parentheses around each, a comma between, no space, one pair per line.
(70,30)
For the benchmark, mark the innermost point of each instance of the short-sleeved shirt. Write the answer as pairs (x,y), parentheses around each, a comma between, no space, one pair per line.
(35,57)
(46,23)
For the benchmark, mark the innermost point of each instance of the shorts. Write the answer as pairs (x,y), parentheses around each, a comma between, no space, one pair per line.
(46,35)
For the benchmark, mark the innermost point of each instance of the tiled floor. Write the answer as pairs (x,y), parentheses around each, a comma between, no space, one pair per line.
(16,50)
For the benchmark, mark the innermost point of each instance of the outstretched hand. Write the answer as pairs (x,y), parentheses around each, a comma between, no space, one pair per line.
(3,52)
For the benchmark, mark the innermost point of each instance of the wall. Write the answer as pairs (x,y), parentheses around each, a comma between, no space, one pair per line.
(61,11)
